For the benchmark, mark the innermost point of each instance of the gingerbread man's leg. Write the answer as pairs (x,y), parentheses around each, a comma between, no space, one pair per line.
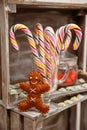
(43,108)
(23,106)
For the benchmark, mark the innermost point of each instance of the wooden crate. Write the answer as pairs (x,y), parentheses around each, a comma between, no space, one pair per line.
(14,66)
(13,119)
(50,123)
(66,118)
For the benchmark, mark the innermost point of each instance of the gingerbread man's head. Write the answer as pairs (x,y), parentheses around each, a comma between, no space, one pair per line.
(34,78)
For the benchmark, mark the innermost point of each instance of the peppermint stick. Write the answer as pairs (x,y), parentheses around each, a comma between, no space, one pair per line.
(62,35)
(66,31)
(39,36)
(31,42)
(50,45)
(78,33)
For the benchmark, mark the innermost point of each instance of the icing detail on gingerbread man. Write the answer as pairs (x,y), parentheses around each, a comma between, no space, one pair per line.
(33,99)
(35,88)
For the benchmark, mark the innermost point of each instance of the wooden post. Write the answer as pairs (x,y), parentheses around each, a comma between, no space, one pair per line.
(85,46)
(16,121)
(78,113)
(4,52)
(4,124)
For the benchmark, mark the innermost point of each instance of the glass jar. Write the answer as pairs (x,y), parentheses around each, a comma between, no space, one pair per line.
(72,74)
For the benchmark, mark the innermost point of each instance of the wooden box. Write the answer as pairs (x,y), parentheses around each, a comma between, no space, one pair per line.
(14,66)
(23,121)
(66,119)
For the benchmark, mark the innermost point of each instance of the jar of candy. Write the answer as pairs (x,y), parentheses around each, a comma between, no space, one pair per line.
(72,73)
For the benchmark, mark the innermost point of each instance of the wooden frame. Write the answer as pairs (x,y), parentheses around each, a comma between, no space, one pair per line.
(13,119)
(53,4)
(4,52)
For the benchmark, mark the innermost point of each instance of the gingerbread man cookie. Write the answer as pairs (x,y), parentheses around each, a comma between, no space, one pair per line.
(35,88)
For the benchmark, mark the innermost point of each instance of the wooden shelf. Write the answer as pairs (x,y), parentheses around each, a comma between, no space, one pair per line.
(46,4)
(28,12)
(33,115)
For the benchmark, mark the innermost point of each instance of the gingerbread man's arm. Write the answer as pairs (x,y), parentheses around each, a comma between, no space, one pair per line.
(25,86)
(43,88)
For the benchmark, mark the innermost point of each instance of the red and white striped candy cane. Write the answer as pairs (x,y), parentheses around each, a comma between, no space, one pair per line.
(64,32)
(78,32)
(63,39)
(50,45)
(38,33)
(31,42)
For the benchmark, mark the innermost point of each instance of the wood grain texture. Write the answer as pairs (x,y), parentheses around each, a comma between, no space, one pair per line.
(16,121)
(15,1)
(28,124)
(0,60)
(72,118)
(4,53)
(4,119)
(53,4)
(84,116)
(58,122)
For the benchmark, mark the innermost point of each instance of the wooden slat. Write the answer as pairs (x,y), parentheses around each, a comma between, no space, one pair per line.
(72,118)
(15,0)
(84,115)
(57,122)
(85,46)
(28,124)
(0,60)
(59,1)
(79,1)
(4,124)
(16,121)
(51,4)
(78,116)
(4,52)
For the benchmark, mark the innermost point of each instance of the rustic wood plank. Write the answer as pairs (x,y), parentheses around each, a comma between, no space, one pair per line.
(57,122)
(52,4)
(78,115)
(4,52)
(79,1)
(59,1)
(72,118)
(16,121)
(85,46)
(84,115)
(81,54)
(28,124)
(4,119)
(0,59)
(15,1)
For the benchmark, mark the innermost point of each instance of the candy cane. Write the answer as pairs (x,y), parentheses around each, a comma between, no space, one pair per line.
(66,30)
(61,34)
(78,33)
(50,43)
(51,39)
(48,63)
(39,36)
(31,42)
